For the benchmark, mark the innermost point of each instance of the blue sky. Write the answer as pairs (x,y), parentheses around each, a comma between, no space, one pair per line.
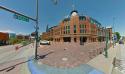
(101,10)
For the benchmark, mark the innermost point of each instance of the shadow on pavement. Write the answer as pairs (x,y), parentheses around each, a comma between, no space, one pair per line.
(14,66)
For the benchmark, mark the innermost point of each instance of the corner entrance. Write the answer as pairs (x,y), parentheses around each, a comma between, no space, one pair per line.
(67,39)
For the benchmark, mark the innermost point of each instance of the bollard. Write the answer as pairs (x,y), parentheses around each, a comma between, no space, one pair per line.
(16,48)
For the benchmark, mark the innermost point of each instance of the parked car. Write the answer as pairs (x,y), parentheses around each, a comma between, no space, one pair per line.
(44,42)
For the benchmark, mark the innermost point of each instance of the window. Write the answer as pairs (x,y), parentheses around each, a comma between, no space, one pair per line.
(82,18)
(67,29)
(81,30)
(74,28)
(91,21)
(82,26)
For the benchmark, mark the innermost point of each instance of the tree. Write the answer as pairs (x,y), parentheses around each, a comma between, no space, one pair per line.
(118,35)
(14,41)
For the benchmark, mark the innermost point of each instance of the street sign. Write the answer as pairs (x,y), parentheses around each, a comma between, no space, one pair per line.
(115,37)
(20,17)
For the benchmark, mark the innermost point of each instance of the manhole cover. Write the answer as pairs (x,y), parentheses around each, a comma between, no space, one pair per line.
(64,59)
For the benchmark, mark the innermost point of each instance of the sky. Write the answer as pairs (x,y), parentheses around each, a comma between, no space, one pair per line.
(102,10)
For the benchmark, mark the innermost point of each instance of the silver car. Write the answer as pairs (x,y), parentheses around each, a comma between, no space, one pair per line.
(44,42)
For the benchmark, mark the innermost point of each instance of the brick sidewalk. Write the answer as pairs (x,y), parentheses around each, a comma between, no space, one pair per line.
(70,54)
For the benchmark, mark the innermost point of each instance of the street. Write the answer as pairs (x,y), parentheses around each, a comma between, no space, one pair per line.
(9,56)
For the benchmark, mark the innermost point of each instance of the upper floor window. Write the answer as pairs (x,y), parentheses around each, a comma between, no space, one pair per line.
(82,18)
(67,29)
(82,26)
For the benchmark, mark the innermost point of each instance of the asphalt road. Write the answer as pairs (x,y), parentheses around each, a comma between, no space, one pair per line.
(8,53)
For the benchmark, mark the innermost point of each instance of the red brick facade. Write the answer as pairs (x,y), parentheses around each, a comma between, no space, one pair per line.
(4,37)
(77,28)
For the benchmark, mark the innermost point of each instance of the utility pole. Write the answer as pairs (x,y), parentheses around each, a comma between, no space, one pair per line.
(114,31)
(106,49)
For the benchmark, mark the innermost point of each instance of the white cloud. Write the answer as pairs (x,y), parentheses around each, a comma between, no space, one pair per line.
(7,31)
(21,33)
(10,31)
(109,27)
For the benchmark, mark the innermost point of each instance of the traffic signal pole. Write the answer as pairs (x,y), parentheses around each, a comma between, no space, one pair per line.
(36,36)
(15,12)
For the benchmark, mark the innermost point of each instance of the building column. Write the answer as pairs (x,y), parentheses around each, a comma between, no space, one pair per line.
(72,39)
(61,39)
(78,39)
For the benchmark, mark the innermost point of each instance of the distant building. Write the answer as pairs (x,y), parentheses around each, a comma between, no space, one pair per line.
(4,37)
(23,37)
(12,35)
(20,36)
(77,28)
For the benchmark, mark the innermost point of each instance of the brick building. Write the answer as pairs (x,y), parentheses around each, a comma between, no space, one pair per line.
(23,37)
(4,37)
(77,28)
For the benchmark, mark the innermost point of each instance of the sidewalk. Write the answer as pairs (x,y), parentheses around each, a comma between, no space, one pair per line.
(24,69)
(102,63)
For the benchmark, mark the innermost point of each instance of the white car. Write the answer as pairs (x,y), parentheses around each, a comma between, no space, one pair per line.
(44,42)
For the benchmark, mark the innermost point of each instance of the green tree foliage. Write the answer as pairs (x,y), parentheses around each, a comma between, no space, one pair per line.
(14,41)
(118,35)
(24,43)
